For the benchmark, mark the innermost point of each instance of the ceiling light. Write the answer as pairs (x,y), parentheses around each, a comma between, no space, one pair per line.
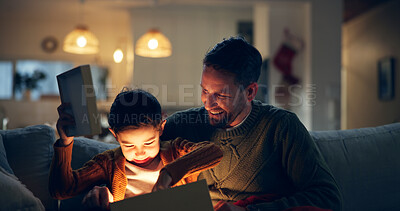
(81,41)
(118,55)
(153,44)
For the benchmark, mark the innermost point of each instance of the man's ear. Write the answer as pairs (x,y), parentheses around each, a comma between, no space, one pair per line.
(251,91)
(162,126)
(113,132)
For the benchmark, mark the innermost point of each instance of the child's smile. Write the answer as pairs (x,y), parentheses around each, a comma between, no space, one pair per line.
(139,145)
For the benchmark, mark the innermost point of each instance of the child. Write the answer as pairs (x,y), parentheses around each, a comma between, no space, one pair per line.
(141,164)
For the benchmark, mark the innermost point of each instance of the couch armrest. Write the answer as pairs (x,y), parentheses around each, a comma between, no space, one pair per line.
(365,164)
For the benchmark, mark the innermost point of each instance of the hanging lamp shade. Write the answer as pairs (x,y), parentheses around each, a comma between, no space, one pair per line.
(153,44)
(118,56)
(81,41)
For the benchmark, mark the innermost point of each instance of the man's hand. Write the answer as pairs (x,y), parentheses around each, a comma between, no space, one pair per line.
(227,206)
(64,119)
(98,198)
(163,181)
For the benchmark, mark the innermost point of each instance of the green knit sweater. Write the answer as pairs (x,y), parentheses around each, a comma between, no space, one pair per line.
(271,152)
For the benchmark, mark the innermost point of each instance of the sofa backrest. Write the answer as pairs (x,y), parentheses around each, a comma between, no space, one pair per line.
(366,165)
(29,153)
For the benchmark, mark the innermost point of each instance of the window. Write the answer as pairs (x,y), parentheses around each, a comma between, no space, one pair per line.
(47,86)
(51,69)
(6,79)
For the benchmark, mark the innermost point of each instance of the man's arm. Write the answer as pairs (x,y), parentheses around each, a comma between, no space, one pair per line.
(306,168)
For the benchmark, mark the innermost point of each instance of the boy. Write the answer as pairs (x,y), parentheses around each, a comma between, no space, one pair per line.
(140,165)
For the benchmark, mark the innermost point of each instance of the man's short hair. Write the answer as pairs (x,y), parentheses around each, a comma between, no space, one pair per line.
(237,56)
(133,109)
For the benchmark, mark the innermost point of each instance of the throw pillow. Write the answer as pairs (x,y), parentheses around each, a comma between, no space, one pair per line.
(29,153)
(3,158)
(85,149)
(15,195)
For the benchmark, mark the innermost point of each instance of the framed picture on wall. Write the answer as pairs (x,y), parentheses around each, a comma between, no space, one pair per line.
(386,77)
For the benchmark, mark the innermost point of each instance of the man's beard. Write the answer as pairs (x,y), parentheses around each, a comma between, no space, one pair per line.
(221,122)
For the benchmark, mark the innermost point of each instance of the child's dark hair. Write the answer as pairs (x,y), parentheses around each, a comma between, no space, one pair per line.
(237,56)
(133,109)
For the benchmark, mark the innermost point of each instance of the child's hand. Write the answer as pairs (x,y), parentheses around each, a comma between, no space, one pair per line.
(98,198)
(163,182)
(64,119)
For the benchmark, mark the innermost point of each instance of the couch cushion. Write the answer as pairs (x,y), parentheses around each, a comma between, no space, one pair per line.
(29,153)
(15,196)
(366,165)
(3,157)
(85,149)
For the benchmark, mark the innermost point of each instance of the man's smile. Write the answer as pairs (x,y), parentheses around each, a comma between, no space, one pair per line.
(215,112)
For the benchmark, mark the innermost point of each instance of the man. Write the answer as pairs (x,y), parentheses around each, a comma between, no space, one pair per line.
(270,161)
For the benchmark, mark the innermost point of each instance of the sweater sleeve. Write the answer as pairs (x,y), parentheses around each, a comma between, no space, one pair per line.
(306,168)
(64,182)
(191,158)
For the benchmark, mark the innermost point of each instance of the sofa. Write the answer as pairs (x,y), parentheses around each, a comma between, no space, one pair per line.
(365,163)
(26,154)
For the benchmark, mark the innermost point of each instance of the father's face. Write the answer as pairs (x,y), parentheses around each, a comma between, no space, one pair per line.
(224,99)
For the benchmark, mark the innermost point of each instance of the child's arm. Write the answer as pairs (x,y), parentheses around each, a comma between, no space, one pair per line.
(191,158)
(63,181)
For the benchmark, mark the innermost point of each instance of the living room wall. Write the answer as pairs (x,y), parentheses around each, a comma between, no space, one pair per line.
(367,39)
(272,19)
(320,23)
(192,30)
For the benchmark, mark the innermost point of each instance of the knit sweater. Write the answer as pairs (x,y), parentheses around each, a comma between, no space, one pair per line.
(271,152)
(182,159)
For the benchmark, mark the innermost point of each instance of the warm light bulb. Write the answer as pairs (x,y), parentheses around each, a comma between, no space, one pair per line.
(81,41)
(153,44)
(118,56)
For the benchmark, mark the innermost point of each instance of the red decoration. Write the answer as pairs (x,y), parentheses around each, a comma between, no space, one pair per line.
(284,57)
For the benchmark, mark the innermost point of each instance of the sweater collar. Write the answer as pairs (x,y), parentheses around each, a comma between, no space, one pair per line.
(244,127)
(236,126)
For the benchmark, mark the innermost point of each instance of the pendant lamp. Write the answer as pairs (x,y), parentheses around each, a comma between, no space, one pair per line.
(118,55)
(153,44)
(81,41)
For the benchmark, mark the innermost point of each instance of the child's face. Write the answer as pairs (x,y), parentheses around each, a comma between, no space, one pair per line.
(140,146)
